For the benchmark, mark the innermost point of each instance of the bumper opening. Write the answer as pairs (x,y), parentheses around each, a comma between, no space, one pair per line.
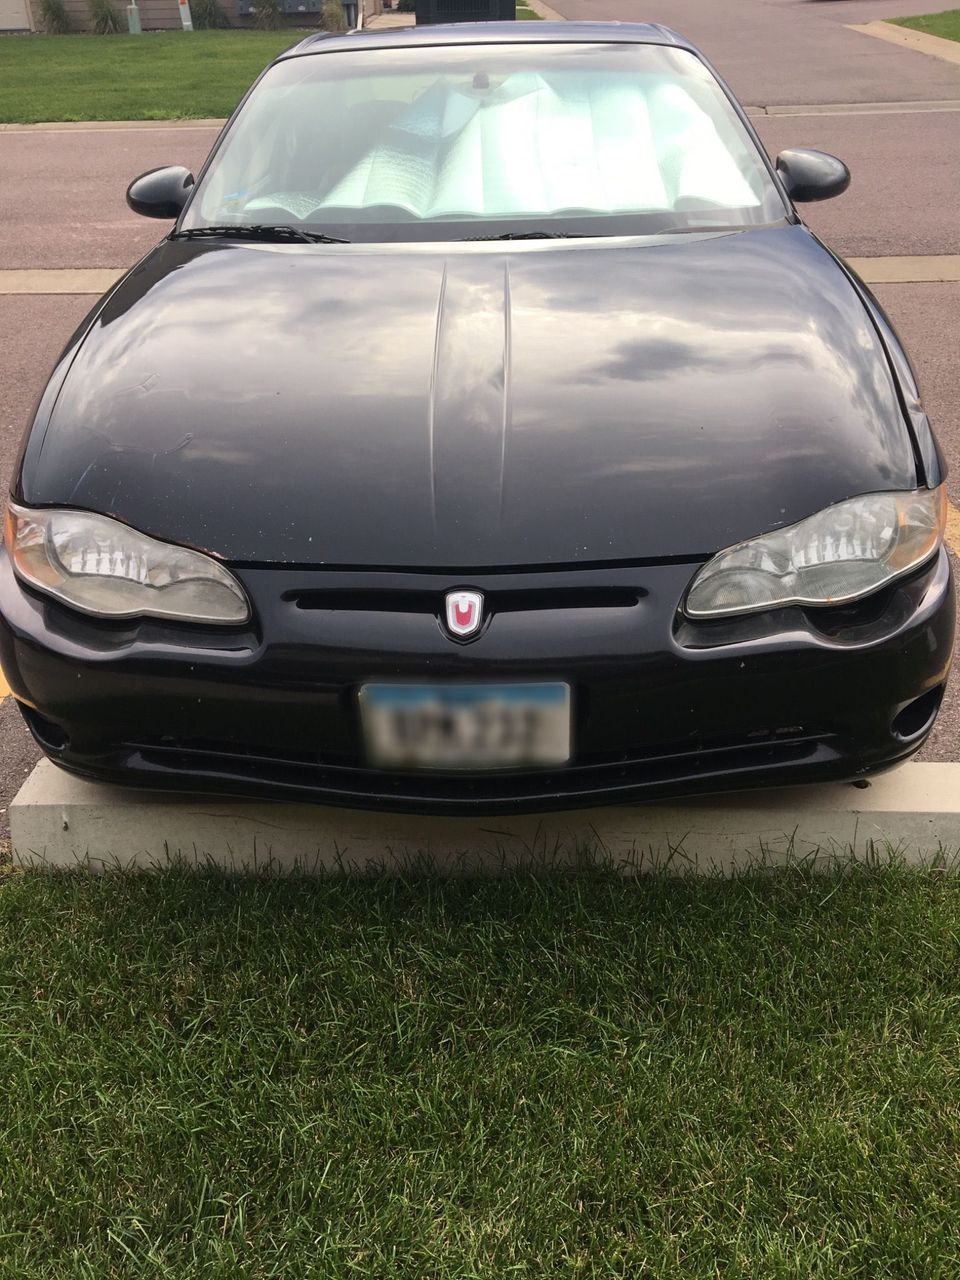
(50,736)
(917,717)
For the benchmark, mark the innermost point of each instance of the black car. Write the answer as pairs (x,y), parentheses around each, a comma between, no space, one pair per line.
(489,432)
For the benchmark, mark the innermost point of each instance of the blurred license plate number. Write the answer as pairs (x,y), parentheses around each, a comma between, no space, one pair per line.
(466,726)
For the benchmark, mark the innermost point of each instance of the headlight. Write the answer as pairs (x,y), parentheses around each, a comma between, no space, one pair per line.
(839,554)
(102,567)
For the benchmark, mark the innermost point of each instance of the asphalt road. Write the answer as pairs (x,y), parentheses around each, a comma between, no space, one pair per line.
(62,205)
(904,195)
(793,51)
(62,193)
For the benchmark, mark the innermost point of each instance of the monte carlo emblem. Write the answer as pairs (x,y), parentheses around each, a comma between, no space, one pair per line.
(464,613)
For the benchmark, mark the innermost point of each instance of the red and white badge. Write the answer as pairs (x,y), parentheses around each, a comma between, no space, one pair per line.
(464,613)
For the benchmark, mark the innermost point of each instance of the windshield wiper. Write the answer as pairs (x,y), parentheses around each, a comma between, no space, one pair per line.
(258,231)
(532,235)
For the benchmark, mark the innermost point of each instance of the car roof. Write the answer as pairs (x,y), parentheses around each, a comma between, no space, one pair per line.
(491,33)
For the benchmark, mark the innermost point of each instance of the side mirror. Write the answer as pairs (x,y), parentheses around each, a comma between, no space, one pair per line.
(812,175)
(161,193)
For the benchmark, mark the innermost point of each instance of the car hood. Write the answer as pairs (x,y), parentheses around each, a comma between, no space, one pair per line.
(473,406)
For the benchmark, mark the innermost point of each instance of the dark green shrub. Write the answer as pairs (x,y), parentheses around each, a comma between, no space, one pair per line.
(208,15)
(106,20)
(332,16)
(54,17)
(268,15)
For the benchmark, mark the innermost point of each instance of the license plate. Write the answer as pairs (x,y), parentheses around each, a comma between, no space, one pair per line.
(466,726)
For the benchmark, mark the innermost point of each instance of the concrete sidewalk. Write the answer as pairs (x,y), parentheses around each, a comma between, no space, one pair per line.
(937,269)
(907,38)
(390,21)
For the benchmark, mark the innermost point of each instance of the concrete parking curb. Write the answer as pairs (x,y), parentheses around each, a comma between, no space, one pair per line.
(57,820)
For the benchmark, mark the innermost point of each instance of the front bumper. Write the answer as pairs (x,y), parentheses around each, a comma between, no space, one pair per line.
(662,707)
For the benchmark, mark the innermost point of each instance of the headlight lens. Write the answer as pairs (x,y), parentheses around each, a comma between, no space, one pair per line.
(837,555)
(105,568)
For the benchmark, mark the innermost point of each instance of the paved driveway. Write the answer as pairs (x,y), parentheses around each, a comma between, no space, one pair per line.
(62,205)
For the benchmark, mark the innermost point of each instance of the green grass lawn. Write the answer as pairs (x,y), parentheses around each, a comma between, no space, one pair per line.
(935,24)
(509,1078)
(161,75)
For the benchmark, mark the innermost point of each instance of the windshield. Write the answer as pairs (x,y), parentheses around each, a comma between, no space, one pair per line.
(450,142)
